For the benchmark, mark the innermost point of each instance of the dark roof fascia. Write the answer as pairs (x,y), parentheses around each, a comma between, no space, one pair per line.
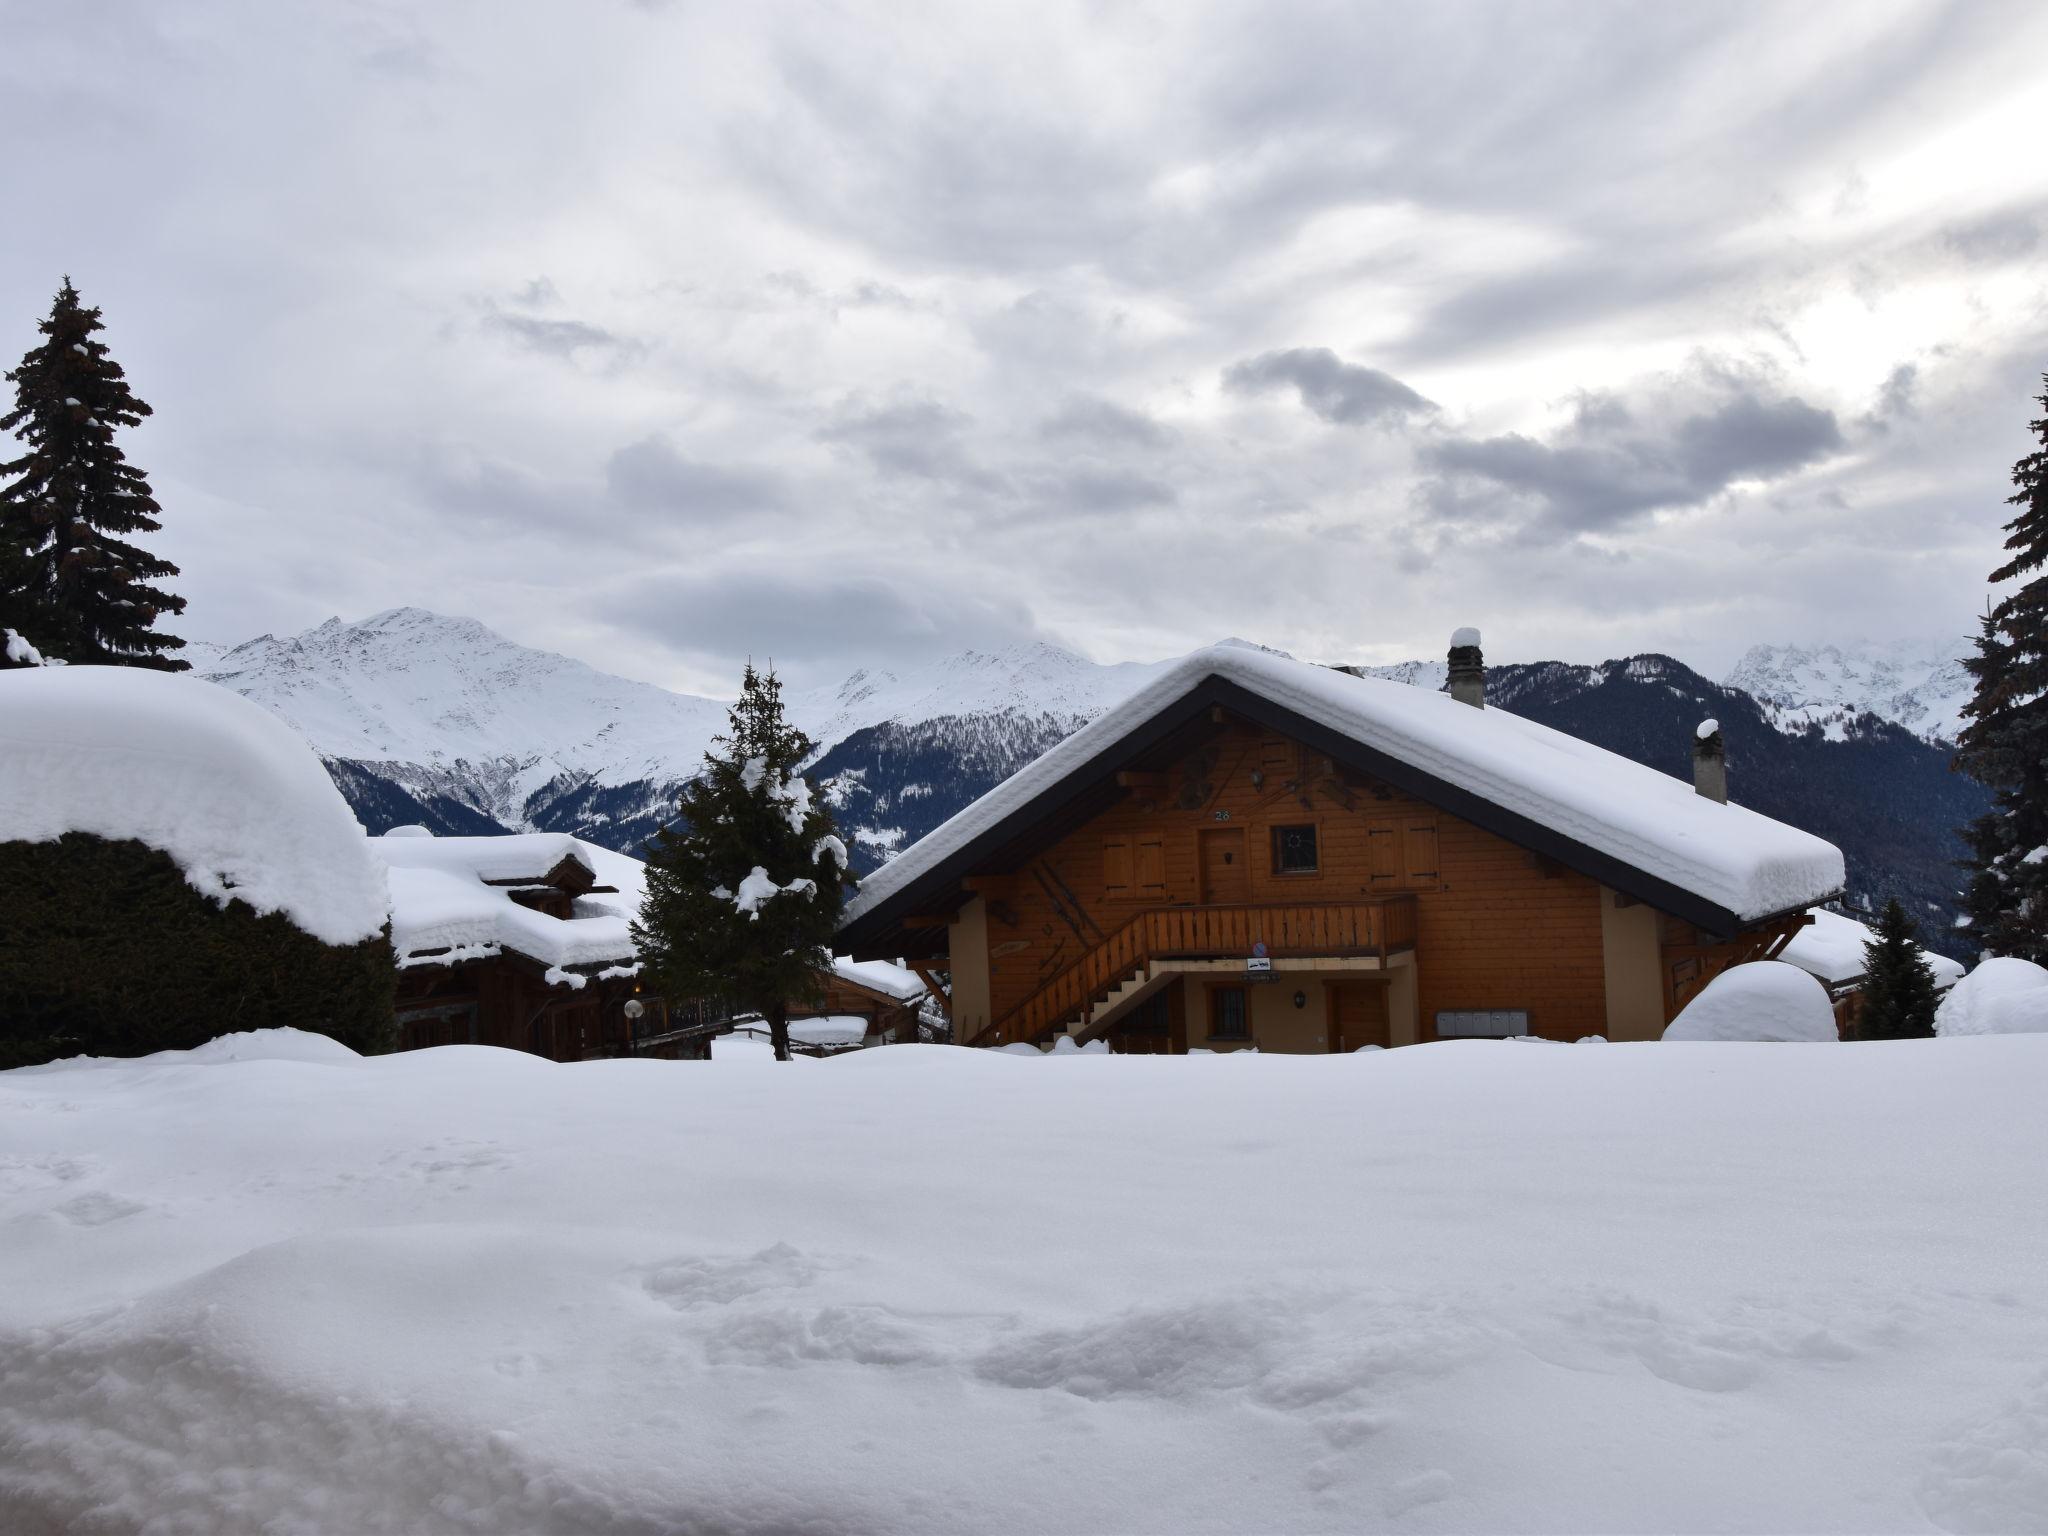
(1214,691)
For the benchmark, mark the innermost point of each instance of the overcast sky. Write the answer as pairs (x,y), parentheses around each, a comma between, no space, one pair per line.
(667,333)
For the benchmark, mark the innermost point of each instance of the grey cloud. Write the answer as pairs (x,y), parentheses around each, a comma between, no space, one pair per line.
(1684,443)
(2007,235)
(1346,394)
(1103,424)
(1098,489)
(558,338)
(652,476)
(915,438)
(806,620)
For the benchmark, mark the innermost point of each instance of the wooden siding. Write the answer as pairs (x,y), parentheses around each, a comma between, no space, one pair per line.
(1498,926)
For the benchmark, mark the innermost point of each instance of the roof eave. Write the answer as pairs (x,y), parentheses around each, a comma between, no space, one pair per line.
(874,926)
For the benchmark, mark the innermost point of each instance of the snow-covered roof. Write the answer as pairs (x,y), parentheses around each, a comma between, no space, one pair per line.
(841,1029)
(1643,831)
(880,976)
(444,910)
(222,786)
(1832,949)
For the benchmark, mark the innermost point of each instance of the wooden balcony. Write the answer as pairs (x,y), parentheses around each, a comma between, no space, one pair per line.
(1292,930)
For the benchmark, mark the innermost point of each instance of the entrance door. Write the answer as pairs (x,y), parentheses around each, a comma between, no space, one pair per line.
(1225,876)
(1358,1015)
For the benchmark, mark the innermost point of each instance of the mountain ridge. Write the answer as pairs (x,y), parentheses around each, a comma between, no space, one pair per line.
(426,718)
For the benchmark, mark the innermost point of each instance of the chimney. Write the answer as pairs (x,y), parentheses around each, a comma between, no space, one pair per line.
(1468,669)
(1710,762)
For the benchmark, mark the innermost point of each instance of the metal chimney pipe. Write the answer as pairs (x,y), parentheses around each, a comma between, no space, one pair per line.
(1468,669)
(1710,762)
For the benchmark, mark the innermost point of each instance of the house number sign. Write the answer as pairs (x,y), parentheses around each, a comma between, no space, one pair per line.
(1223,815)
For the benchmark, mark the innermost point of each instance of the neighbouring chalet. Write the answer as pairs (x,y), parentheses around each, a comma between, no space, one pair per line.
(1831,951)
(1258,851)
(526,941)
(521,941)
(864,1003)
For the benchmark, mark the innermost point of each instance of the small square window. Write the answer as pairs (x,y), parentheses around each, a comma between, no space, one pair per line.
(1294,850)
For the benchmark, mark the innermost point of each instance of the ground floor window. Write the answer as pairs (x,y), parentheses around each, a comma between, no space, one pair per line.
(1228,1019)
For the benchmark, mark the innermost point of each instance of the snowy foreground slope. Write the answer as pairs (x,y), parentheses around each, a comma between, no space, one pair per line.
(1500,1286)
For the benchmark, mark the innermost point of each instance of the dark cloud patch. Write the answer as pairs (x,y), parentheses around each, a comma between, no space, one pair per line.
(537,293)
(1685,442)
(558,338)
(916,439)
(1086,490)
(1346,394)
(1897,400)
(652,476)
(806,621)
(2011,234)
(1099,423)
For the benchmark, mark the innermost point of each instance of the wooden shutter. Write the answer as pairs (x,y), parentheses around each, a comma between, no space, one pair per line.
(1383,853)
(1420,840)
(1149,865)
(1116,866)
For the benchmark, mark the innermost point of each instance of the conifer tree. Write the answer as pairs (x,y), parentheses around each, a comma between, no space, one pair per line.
(2005,744)
(1899,995)
(744,892)
(70,583)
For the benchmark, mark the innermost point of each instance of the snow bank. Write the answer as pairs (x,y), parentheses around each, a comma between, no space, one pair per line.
(1763,1000)
(1831,948)
(1735,858)
(2000,997)
(224,788)
(1458,1287)
(442,905)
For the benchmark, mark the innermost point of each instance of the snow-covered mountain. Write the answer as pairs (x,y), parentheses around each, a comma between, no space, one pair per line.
(446,708)
(1915,684)
(426,718)
(422,716)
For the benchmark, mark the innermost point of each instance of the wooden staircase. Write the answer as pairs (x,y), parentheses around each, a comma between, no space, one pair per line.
(1123,962)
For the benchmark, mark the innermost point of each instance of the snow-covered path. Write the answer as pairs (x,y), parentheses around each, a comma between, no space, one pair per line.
(1483,1285)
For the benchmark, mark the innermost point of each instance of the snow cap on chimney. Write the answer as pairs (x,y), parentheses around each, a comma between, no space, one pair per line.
(1467,668)
(1710,762)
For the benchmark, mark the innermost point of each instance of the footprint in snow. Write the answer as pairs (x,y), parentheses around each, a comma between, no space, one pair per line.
(96,1208)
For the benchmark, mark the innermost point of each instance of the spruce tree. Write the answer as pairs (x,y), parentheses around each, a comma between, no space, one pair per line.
(744,892)
(70,583)
(2005,744)
(1899,995)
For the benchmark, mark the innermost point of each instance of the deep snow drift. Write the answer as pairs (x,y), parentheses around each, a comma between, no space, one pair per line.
(1763,1000)
(224,788)
(2003,996)
(1478,1285)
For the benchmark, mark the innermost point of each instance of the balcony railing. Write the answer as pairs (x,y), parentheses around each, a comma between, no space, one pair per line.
(1293,930)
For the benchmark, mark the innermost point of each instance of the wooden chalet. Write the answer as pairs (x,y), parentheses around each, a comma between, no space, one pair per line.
(1254,851)
(517,941)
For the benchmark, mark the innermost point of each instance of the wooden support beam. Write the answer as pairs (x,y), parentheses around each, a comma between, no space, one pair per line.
(984,885)
(1133,779)
(926,920)
(924,974)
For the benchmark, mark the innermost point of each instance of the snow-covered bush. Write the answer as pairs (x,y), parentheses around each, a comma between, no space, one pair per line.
(2000,997)
(178,865)
(1763,1000)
